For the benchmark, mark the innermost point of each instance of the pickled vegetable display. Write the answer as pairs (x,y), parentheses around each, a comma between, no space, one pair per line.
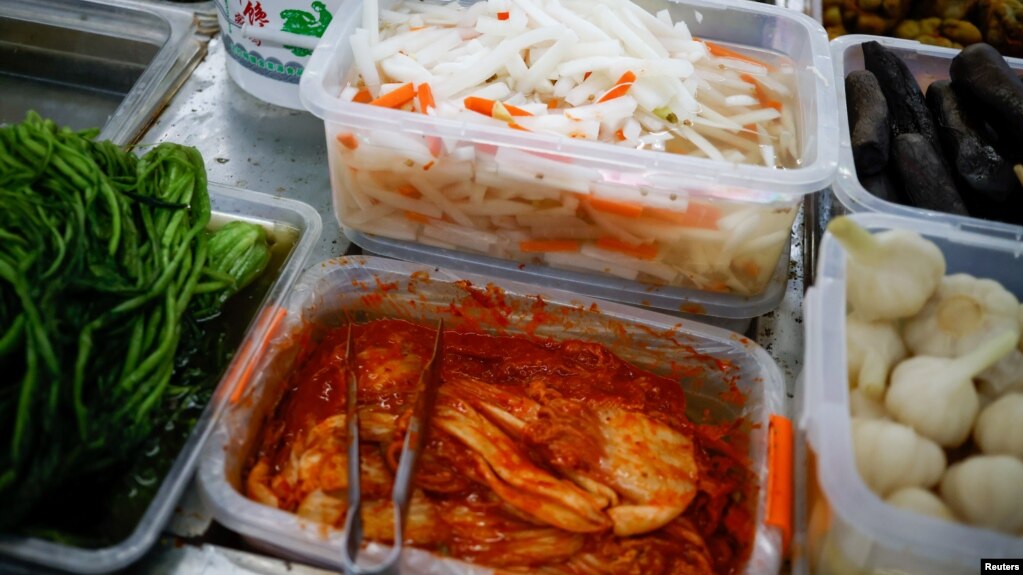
(936,380)
(589,72)
(542,456)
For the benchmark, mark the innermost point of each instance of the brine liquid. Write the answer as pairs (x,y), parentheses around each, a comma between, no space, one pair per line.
(676,143)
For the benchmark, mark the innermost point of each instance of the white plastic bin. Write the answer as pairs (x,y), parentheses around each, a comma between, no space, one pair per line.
(690,272)
(850,530)
(928,63)
(334,291)
(282,218)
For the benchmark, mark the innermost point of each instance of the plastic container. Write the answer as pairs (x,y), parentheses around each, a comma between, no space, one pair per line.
(268,44)
(351,287)
(281,217)
(734,313)
(693,258)
(928,63)
(850,529)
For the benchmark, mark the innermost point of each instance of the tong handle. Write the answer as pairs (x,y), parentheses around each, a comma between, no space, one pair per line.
(401,495)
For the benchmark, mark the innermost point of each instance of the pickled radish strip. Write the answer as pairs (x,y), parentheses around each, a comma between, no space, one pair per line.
(564,59)
(606,72)
(642,251)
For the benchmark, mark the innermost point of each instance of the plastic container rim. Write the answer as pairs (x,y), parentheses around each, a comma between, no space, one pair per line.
(847,186)
(827,420)
(786,184)
(229,506)
(172,486)
(667,298)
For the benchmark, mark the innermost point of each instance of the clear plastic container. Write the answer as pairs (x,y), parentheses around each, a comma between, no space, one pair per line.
(335,290)
(672,190)
(282,218)
(849,529)
(928,63)
(730,312)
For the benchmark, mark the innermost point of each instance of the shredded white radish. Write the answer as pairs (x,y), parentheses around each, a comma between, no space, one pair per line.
(594,70)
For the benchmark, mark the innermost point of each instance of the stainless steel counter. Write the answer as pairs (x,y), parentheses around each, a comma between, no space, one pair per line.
(251,144)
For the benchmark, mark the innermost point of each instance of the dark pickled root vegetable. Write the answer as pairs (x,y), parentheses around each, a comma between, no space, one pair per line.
(868,122)
(926,182)
(906,106)
(982,72)
(884,186)
(981,169)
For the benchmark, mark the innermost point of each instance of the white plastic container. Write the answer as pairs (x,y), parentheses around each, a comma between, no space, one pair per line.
(850,530)
(928,63)
(335,290)
(281,217)
(268,44)
(689,262)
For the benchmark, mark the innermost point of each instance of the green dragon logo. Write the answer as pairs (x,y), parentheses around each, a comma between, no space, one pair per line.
(306,23)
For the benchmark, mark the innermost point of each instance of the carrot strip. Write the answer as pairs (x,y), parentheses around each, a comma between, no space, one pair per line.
(363,96)
(503,15)
(553,104)
(246,369)
(750,268)
(519,127)
(642,251)
(425,95)
(620,135)
(723,52)
(396,98)
(486,107)
(549,246)
(618,208)
(416,217)
(762,95)
(697,215)
(586,76)
(620,88)
(348,140)
(409,191)
(428,165)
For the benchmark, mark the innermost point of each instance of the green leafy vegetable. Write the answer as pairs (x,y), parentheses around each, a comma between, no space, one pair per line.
(104,260)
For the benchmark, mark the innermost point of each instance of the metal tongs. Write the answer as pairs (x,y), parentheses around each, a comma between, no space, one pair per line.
(412,447)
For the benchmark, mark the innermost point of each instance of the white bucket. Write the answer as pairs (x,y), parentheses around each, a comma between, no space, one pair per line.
(268,44)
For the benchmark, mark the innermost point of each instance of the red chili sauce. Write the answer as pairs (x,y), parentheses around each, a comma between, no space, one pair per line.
(543,456)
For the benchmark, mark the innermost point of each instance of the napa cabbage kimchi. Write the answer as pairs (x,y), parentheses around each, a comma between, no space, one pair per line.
(543,456)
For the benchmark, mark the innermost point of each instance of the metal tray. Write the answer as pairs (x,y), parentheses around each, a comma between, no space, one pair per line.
(109,65)
(280,217)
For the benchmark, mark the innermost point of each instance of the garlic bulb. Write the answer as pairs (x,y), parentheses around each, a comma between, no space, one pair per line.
(872,349)
(865,407)
(963,313)
(920,501)
(891,456)
(935,395)
(889,275)
(999,428)
(986,490)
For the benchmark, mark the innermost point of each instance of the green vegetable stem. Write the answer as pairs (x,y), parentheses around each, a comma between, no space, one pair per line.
(104,257)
